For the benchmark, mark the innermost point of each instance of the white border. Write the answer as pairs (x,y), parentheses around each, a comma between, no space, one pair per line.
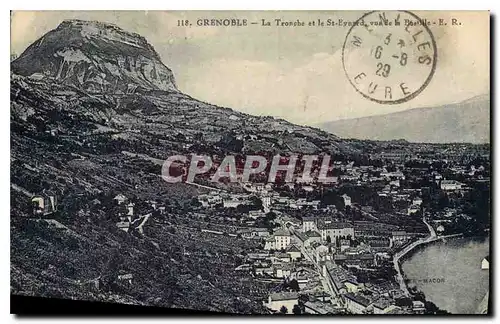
(197,5)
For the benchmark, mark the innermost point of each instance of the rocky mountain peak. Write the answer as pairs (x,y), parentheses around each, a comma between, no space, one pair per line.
(96,57)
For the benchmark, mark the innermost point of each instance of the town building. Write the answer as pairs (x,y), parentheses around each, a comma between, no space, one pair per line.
(347,200)
(356,304)
(413,209)
(485,264)
(126,277)
(417,201)
(287,299)
(320,308)
(313,236)
(334,230)
(418,307)
(123,225)
(352,285)
(255,232)
(309,224)
(282,257)
(450,185)
(130,209)
(44,204)
(294,252)
(400,237)
(120,199)
(282,270)
(344,244)
(383,305)
(321,252)
(279,241)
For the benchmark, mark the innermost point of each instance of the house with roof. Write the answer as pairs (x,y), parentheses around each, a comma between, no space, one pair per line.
(44,204)
(263,269)
(337,277)
(313,236)
(378,244)
(347,200)
(320,308)
(356,303)
(120,199)
(451,185)
(282,257)
(280,240)
(352,285)
(308,224)
(485,264)
(301,239)
(277,300)
(335,229)
(417,201)
(321,252)
(125,277)
(282,270)
(418,307)
(383,305)
(294,252)
(344,244)
(255,232)
(124,225)
(321,296)
(270,243)
(303,276)
(162,210)
(399,237)
(130,210)
(413,209)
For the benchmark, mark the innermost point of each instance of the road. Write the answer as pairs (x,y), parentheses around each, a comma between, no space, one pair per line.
(327,285)
(21,190)
(203,186)
(431,229)
(431,238)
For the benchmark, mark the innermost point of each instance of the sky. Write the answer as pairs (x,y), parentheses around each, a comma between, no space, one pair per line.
(293,73)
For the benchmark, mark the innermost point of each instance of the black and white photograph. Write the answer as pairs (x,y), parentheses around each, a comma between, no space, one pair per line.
(251,162)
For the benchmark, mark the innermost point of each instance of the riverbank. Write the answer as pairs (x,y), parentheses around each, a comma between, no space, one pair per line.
(408,251)
(483,306)
(449,273)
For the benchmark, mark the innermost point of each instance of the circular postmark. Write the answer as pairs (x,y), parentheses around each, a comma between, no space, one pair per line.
(389,57)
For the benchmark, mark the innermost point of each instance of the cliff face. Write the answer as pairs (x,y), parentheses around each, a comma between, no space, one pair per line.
(86,76)
(96,57)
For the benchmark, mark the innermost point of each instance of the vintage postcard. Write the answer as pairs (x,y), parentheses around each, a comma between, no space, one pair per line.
(250,162)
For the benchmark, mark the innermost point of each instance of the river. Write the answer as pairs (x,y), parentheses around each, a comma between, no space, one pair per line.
(458,284)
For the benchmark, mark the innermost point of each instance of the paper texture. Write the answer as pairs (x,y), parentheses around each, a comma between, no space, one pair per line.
(252,162)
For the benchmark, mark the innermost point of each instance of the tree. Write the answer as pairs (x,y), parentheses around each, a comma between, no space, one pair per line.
(256,203)
(296,309)
(268,220)
(283,310)
(195,202)
(294,285)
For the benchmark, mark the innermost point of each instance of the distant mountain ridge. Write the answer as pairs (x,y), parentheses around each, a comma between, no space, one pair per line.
(464,122)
